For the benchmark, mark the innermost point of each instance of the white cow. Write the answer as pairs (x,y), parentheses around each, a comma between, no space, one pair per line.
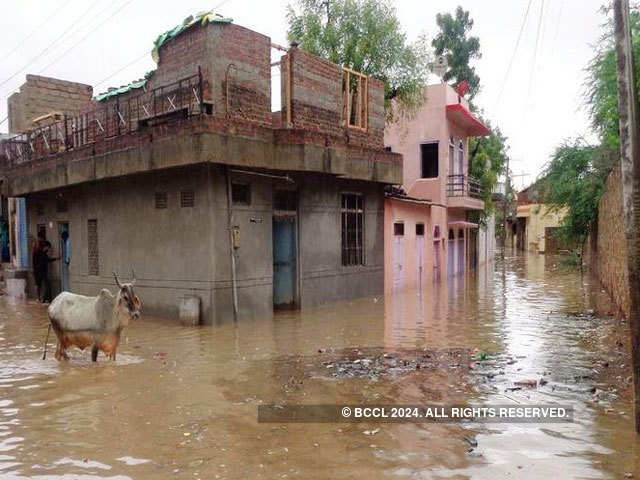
(93,321)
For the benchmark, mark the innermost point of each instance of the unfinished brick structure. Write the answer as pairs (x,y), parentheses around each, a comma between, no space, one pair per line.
(200,179)
(42,95)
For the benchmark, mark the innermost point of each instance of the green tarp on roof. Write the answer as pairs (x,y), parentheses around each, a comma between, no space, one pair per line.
(101,97)
(203,17)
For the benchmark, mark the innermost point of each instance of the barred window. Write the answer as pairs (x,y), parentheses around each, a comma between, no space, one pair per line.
(352,229)
(161,200)
(187,198)
(92,244)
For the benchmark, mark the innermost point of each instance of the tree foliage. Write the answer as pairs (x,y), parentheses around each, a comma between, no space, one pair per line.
(577,172)
(366,36)
(602,87)
(459,48)
(574,179)
(487,159)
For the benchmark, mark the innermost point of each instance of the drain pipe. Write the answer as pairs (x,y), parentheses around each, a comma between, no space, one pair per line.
(234,285)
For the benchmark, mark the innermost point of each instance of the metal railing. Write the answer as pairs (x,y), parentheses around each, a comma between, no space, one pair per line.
(464,186)
(117,117)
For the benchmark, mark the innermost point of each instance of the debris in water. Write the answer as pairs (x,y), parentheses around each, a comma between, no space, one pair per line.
(530,382)
(371,432)
(471,441)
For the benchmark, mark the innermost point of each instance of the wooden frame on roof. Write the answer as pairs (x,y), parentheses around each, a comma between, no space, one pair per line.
(355,114)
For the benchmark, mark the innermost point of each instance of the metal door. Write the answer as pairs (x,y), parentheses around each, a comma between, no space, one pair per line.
(420,259)
(284,262)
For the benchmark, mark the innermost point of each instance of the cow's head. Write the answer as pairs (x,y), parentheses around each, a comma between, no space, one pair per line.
(127,299)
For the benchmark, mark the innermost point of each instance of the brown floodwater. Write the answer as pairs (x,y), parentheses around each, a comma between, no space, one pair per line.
(182,402)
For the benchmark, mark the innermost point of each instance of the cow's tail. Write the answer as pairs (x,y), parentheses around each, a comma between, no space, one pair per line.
(46,340)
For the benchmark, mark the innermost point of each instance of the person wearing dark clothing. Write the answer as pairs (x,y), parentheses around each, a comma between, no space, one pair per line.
(41,261)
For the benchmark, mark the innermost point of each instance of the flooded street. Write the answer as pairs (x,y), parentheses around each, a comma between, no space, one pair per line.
(182,402)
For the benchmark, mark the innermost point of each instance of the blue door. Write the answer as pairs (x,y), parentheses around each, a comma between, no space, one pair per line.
(284,262)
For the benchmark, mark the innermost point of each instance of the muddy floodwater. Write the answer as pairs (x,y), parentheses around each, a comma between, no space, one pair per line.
(183,402)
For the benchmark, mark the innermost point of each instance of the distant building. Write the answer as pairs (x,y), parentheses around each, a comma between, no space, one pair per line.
(428,235)
(189,178)
(536,222)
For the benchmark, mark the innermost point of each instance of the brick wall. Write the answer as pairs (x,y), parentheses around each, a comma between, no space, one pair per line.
(316,100)
(42,95)
(608,250)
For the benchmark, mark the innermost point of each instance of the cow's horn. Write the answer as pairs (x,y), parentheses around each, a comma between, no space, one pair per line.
(133,277)
(117,281)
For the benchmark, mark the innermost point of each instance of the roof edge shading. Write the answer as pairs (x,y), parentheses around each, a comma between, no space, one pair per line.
(203,18)
(462,224)
(458,114)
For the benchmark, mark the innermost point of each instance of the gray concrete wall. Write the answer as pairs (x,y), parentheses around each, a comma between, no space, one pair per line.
(177,251)
(323,278)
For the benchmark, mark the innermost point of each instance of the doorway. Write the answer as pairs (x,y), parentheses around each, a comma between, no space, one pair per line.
(284,262)
(65,256)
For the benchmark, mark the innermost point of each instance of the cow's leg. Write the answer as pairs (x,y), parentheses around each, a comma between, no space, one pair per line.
(112,356)
(61,352)
(94,352)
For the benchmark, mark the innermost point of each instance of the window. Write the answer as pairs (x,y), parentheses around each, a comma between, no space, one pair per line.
(451,235)
(452,156)
(92,244)
(42,230)
(460,157)
(161,200)
(355,99)
(352,229)
(419,229)
(461,233)
(187,198)
(398,229)
(241,193)
(436,232)
(429,157)
(286,200)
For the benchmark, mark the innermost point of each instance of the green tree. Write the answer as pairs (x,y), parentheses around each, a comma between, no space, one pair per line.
(602,86)
(459,48)
(574,179)
(577,172)
(364,35)
(487,159)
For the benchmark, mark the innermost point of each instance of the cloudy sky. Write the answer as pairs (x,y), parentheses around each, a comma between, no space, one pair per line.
(105,43)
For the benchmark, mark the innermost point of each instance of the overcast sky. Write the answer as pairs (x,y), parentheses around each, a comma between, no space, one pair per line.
(541,103)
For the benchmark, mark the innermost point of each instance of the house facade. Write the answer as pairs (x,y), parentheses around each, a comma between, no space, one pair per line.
(427,233)
(187,176)
(536,222)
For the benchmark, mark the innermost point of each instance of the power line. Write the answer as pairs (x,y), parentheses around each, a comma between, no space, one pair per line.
(46,20)
(64,33)
(82,39)
(147,52)
(535,57)
(513,56)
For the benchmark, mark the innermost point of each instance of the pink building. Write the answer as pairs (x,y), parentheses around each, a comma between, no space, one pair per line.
(427,235)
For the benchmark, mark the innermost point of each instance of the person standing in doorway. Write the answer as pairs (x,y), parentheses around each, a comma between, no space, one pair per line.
(66,261)
(41,261)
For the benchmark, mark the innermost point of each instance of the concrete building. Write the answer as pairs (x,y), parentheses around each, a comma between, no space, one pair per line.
(536,222)
(427,232)
(190,179)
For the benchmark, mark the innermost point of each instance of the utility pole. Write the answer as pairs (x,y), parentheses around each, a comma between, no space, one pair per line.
(630,164)
(505,202)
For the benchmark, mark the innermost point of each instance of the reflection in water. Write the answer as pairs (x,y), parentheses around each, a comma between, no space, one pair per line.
(182,403)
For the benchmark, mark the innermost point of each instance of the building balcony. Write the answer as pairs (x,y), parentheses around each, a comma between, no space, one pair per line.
(464,192)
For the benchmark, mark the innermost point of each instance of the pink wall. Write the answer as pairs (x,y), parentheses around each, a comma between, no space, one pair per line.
(429,124)
(403,251)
